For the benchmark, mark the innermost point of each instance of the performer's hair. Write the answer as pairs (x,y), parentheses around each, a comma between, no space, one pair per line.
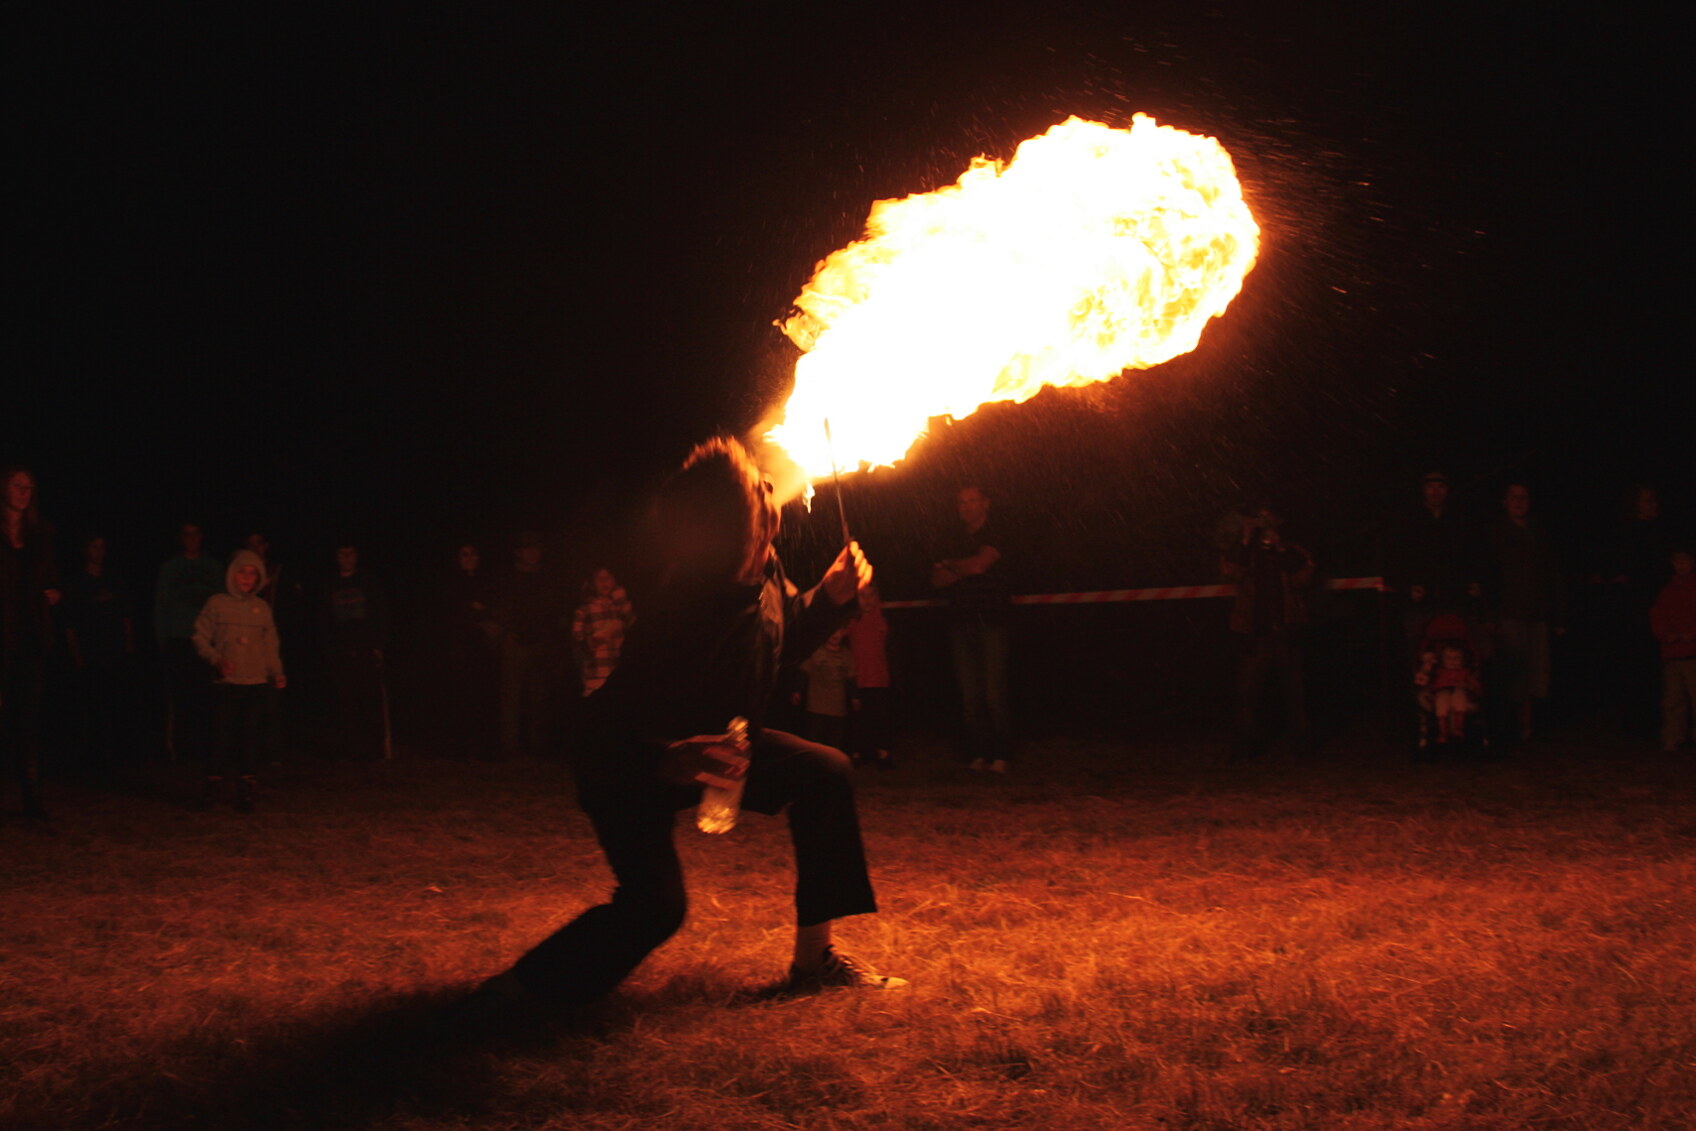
(710,513)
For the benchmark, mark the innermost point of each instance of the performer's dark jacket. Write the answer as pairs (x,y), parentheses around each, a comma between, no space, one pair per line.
(705,654)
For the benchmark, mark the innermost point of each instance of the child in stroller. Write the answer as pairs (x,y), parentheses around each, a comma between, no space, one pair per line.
(1448,689)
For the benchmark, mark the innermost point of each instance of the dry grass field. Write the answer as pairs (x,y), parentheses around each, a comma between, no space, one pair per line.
(1114,937)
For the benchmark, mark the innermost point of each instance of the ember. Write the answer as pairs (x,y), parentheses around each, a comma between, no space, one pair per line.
(1095,250)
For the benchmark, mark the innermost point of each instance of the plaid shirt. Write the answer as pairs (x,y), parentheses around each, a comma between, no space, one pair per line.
(597,634)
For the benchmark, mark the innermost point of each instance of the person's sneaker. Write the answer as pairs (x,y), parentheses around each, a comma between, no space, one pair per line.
(840,971)
(977,764)
(999,766)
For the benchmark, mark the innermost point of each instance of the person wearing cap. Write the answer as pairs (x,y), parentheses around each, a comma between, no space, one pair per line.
(1432,559)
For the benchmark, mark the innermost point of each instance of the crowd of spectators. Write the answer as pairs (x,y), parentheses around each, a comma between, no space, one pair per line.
(1478,600)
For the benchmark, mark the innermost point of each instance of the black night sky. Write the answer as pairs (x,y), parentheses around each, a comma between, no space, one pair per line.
(435,270)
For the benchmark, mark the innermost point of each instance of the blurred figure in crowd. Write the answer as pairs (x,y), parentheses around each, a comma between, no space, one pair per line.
(972,574)
(1528,594)
(284,589)
(471,656)
(1431,560)
(286,592)
(531,611)
(1672,618)
(353,627)
(1630,570)
(186,581)
(100,637)
(598,627)
(868,638)
(1268,617)
(826,687)
(29,588)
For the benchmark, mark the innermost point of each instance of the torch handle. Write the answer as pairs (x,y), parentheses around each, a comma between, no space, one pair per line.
(836,481)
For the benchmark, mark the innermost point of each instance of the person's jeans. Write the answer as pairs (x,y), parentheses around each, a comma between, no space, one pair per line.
(980,667)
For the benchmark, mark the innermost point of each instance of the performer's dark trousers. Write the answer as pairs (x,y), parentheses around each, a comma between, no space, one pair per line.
(593,953)
(241,713)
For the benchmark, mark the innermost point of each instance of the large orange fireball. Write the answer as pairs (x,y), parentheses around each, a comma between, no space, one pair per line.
(1095,250)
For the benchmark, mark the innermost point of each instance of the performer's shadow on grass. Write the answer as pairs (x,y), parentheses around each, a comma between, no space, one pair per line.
(345,1066)
(414,1054)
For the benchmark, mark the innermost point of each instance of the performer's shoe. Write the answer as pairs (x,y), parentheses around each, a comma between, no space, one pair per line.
(977,764)
(840,971)
(999,766)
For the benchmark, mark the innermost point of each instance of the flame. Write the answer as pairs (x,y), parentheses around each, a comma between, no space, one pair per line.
(1095,250)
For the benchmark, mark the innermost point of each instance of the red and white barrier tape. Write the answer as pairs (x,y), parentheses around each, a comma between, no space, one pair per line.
(1114,596)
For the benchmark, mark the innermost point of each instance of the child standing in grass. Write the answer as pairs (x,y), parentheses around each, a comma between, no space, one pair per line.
(1673,619)
(236,635)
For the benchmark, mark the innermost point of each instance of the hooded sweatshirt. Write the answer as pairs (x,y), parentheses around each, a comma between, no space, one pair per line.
(236,629)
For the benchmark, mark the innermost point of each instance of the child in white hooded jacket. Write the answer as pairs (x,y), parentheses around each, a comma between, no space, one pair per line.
(236,634)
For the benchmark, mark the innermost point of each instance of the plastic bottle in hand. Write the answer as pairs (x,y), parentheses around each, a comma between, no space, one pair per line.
(720,804)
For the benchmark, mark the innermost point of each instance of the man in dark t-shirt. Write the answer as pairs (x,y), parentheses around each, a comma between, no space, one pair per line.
(353,625)
(973,576)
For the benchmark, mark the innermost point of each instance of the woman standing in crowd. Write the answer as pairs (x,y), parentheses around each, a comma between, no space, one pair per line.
(100,637)
(29,588)
(1530,602)
(471,669)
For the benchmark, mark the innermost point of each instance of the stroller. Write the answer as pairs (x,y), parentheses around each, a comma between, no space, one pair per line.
(1448,691)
